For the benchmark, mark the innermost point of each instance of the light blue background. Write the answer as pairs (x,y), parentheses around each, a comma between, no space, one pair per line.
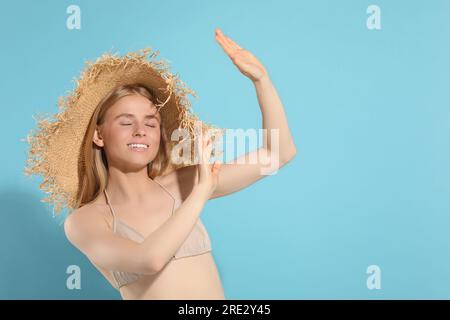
(369,111)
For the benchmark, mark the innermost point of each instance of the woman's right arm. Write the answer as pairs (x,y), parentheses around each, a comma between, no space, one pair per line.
(92,236)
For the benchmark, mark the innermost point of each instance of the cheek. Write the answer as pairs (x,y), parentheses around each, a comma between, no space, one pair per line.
(155,136)
(119,136)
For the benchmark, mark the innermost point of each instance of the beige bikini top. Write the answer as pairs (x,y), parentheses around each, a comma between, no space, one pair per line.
(197,242)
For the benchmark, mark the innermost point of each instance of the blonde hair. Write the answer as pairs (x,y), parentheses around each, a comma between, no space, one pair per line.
(93,164)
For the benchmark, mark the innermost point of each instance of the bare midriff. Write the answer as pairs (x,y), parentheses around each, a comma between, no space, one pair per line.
(188,278)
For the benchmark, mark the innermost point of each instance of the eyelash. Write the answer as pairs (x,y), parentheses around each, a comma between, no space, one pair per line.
(129,124)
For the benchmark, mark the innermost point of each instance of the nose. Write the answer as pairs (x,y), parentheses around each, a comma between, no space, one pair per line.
(140,131)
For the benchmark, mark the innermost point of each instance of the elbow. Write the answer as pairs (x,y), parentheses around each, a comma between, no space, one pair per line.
(152,265)
(289,156)
(150,269)
(158,265)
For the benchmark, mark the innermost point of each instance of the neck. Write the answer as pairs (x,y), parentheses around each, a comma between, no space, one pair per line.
(129,187)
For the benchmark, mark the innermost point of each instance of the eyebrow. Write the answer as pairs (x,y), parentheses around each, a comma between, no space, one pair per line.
(130,115)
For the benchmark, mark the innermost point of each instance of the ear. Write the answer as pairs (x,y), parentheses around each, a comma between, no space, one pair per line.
(98,140)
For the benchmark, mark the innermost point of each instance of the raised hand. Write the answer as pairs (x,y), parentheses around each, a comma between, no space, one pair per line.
(207,173)
(244,60)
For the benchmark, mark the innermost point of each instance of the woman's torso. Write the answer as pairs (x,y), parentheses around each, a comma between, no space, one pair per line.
(191,277)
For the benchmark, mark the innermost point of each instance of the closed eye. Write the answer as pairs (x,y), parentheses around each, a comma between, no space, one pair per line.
(129,124)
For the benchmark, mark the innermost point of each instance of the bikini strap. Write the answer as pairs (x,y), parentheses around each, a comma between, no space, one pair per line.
(111,209)
(175,199)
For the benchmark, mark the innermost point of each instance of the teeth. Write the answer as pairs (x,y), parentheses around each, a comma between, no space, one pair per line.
(137,145)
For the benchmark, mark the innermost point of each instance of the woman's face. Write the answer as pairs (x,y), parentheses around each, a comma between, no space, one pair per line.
(131,120)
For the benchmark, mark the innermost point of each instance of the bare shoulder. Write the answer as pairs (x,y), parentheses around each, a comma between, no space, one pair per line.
(83,222)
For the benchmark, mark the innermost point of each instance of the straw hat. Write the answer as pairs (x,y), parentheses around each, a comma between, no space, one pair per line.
(54,147)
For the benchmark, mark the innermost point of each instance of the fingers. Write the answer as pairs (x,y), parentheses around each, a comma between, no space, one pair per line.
(228,45)
(232,44)
(216,167)
(224,38)
(201,145)
(227,40)
(205,154)
(207,148)
(203,170)
(237,46)
(223,43)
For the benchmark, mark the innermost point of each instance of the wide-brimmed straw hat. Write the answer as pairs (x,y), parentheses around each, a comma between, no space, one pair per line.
(55,146)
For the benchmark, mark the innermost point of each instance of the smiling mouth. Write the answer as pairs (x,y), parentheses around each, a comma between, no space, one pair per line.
(138,146)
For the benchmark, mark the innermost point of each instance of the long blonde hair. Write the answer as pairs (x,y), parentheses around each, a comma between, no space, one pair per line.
(93,164)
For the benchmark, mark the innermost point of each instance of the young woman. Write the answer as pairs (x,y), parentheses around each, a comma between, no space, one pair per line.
(136,221)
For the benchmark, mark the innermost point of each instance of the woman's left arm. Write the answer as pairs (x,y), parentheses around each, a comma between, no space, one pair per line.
(278,147)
